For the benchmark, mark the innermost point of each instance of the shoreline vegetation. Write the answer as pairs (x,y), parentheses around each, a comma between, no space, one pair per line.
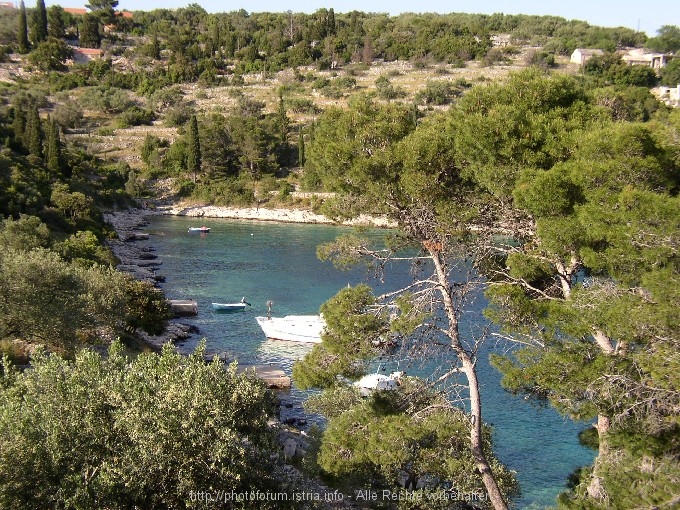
(532,160)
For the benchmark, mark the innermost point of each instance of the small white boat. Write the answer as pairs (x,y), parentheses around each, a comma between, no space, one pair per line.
(231,307)
(378,382)
(199,229)
(294,328)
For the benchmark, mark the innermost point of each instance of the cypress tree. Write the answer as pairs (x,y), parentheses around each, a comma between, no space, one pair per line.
(19,125)
(52,146)
(301,147)
(282,121)
(330,22)
(39,23)
(194,156)
(56,26)
(89,32)
(33,135)
(23,29)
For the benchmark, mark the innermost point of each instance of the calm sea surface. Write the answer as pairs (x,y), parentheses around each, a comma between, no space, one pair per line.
(268,261)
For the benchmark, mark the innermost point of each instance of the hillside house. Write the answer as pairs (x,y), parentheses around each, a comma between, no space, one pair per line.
(669,95)
(638,57)
(582,55)
(7,5)
(84,55)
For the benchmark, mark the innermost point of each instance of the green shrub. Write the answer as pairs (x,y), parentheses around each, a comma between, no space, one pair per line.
(135,116)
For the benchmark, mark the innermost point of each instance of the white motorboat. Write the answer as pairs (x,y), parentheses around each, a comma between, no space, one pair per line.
(380,382)
(203,230)
(294,328)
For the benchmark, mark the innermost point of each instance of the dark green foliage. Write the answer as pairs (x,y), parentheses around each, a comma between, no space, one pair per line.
(53,152)
(670,75)
(56,26)
(22,30)
(427,440)
(50,55)
(138,425)
(68,115)
(194,148)
(386,90)
(346,341)
(611,70)
(25,234)
(38,29)
(89,31)
(85,249)
(301,147)
(538,115)
(592,345)
(542,59)
(631,104)
(103,9)
(145,307)
(151,144)
(666,41)
(135,116)
(33,135)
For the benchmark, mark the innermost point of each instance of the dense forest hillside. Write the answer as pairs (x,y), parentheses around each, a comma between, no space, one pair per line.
(550,186)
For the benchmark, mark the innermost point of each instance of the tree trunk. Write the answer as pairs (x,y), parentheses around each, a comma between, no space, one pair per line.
(476,443)
(470,371)
(595,488)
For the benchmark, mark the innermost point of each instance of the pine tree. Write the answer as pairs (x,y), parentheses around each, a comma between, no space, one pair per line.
(105,10)
(39,23)
(23,29)
(194,156)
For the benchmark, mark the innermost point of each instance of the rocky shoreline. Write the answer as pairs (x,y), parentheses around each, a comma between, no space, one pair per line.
(142,263)
(268,214)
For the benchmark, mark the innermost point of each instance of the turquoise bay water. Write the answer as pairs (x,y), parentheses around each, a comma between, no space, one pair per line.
(268,261)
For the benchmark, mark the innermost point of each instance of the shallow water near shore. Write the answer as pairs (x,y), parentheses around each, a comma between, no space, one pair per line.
(264,261)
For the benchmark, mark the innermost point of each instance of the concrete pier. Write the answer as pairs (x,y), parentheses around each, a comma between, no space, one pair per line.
(184,307)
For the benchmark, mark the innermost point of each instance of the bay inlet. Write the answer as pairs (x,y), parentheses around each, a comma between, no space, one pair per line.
(265,261)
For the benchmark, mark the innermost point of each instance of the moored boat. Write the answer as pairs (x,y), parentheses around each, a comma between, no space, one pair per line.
(378,382)
(293,328)
(199,229)
(231,307)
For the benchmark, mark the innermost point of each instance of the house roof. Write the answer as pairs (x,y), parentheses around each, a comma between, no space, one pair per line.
(87,51)
(589,51)
(77,11)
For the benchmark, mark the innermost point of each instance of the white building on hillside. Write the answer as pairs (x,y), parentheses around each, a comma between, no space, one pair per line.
(582,55)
